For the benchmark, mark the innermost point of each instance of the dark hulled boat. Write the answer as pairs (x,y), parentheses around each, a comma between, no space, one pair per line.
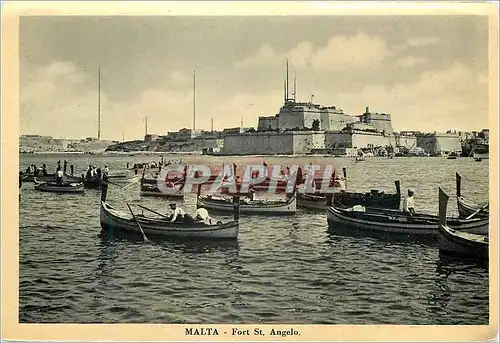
(396,221)
(55,187)
(467,208)
(342,199)
(459,242)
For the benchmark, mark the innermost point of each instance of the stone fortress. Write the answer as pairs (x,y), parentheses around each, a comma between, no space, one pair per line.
(306,127)
(298,128)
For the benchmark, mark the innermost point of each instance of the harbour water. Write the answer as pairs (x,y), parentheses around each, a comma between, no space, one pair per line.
(281,270)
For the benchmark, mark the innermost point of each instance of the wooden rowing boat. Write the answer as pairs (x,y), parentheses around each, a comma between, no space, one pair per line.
(48,177)
(257,207)
(395,221)
(54,187)
(465,207)
(175,191)
(457,242)
(114,219)
(373,199)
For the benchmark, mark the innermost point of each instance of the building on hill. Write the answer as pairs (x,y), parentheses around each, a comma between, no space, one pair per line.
(270,123)
(271,143)
(307,115)
(150,137)
(183,134)
(381,121)
(405,139)
(439,144)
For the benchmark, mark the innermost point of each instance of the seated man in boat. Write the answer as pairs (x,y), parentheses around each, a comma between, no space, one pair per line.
(409,203)
(44,170)
(59,176)
(178,215)
(201,214)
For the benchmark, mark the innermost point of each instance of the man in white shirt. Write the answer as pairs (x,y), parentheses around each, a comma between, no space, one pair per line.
(178,213)
(59,175)
(409,203)
(201,214)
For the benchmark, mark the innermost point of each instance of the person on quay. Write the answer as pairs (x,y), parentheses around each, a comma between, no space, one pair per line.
(59,176)
(409,203)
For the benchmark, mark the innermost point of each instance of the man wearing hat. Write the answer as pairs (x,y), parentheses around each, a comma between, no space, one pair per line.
(409,203)
(178,214)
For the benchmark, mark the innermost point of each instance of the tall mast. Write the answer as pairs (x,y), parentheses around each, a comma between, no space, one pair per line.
(99,104)
(212,125)
(284,90)
(194,101)
(294,87)
(287,79)
(146,119)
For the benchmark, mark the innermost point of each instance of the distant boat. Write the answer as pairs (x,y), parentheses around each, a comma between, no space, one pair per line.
(259,207)
(452,156)
(64,187)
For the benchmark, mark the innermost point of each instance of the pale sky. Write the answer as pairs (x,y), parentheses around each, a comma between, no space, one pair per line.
(429,72)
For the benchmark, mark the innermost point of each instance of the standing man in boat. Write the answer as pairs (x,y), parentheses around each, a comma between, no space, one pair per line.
(409,203)
(338,182)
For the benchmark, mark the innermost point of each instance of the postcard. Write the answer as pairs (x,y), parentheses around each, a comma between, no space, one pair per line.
(249,171)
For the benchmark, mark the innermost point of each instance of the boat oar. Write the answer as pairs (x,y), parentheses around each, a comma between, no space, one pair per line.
(150,210)
(480,210)
(146,240)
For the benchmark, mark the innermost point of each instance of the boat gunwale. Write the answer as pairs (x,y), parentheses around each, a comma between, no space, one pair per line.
(166,225)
